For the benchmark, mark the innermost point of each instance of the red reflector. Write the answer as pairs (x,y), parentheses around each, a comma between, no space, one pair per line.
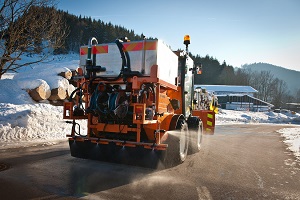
(138,109)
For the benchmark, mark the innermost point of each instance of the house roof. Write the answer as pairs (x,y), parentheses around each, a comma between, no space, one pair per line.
(228,88)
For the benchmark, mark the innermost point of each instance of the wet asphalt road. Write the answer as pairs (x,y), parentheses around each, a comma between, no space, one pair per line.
(238,162)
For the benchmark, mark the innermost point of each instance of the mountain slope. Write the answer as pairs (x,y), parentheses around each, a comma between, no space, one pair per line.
(291,77)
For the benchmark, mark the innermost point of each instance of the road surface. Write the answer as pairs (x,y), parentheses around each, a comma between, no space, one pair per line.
(238,162)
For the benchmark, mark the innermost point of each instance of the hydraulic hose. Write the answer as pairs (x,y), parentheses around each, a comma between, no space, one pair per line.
(124,55)
(89,56)
(125,61)
(72,94)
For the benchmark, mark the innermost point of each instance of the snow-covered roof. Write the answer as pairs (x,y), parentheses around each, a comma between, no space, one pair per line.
(228,88)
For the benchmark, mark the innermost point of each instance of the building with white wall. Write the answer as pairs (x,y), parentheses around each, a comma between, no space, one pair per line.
(234,97)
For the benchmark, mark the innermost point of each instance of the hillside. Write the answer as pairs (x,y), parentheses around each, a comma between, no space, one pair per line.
(291,77)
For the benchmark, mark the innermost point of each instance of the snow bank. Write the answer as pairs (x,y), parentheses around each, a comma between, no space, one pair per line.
(47,73)
(232,116)
(26,124)
(292,139)
(30,123)
(23,121)
(11,93)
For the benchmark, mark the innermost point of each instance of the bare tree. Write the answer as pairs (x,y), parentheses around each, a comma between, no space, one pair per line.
(280,92)
(263,82)
(267,79)
(243,76)
(28,26)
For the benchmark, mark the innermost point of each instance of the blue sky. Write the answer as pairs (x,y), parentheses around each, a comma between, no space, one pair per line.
(237,31)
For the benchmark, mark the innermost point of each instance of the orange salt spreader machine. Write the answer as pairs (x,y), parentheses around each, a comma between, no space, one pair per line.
(136,98)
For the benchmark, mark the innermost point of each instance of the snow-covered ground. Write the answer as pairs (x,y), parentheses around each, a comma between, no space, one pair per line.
(231,116)
(24,122)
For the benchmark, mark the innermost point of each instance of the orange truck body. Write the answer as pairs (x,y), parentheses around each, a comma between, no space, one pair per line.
(135,101)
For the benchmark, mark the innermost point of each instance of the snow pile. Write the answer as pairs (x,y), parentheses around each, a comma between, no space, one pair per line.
(48,74)
(10,92)
(25,122)
(232,116)
(292,139)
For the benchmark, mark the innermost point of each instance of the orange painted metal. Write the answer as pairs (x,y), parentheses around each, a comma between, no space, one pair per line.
(163,91)
(96,49)
(208,120)
(138,46)
(100,49)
